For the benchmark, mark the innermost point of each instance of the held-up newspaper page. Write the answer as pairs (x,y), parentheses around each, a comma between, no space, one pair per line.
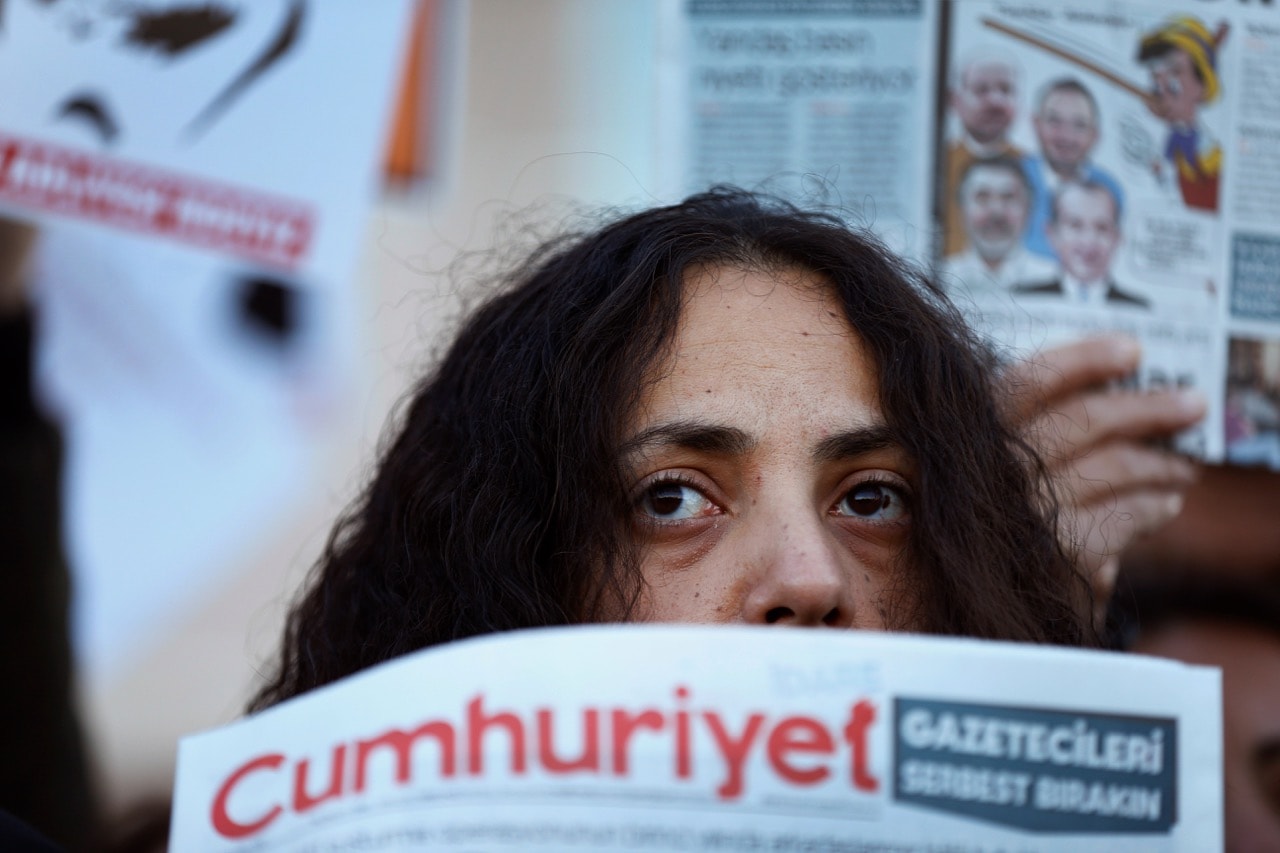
(1157,124)
(660,738)
(1115,167)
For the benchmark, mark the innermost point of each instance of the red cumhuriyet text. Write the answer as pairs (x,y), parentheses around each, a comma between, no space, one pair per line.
(801,750)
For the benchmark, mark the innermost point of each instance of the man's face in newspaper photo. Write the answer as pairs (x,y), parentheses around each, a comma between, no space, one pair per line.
(152,72)
(1067,129)
(1085,232)
(765,488)
(1176,88)
(994,203)
(985,99)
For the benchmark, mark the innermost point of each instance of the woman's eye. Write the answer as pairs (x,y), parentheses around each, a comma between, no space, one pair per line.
(878,501)
(672,501)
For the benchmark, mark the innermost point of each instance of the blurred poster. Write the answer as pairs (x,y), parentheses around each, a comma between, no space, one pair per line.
(827,102)
(1113,166)
(201,174)
(692,738)
(240,128)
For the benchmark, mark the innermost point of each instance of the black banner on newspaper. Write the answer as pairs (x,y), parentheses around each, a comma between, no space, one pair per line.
(1035,769)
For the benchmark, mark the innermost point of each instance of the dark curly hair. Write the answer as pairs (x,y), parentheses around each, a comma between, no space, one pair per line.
(500,503)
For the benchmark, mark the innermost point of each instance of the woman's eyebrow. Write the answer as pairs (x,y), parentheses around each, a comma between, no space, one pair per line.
(854,443)
(691,435)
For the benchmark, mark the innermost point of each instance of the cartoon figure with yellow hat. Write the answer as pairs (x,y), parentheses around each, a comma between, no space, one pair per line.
(1182,56)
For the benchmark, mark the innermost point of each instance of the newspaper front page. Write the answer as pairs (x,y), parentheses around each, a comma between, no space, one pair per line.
(647,738)
(1145,140)
(828,101)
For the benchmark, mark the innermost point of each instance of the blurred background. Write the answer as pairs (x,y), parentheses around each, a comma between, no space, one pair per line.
(204,462)
(499,131)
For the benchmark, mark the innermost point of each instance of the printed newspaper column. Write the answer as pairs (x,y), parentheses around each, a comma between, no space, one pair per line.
(1252,203)
(824,103)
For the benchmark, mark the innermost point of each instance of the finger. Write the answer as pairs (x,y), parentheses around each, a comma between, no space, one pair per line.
(1074,429)
(1107,527)
(1054,373)
(1124,467)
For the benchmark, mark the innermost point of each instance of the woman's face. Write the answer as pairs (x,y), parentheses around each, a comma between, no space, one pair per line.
(766,485)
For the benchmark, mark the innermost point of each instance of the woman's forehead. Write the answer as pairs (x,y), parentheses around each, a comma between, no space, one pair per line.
(757,277)
(775,304)
(762,349)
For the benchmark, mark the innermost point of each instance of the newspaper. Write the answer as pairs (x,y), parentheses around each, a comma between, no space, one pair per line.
(644,738)
(1149,139)
(1173,239)
(829,100)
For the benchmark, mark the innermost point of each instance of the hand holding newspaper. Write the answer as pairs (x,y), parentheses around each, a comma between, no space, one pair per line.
(701,738)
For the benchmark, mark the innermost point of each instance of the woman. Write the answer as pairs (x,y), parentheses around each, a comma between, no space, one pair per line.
(724,410)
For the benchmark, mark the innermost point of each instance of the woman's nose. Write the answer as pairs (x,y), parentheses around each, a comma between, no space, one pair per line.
(799,577)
